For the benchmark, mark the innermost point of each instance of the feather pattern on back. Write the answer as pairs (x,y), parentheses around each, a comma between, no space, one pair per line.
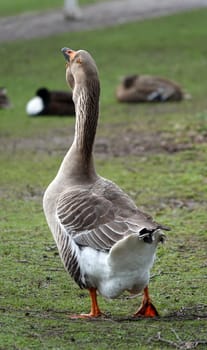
(99,218)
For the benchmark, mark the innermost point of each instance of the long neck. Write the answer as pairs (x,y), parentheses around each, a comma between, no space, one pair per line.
(86,98)
(78,163)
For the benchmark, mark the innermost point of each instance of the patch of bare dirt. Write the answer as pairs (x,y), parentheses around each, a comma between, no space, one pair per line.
(185,313)
(126,142)
(98,15)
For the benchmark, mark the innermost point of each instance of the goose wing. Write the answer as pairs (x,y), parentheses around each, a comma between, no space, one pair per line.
(97,221)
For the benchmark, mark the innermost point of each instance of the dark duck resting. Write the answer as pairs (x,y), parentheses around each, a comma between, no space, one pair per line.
(4,100)
(147,88)
(51,103)
(105,242)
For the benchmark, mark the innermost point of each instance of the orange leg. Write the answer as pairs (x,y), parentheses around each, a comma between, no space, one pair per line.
(95,311)
(147,309)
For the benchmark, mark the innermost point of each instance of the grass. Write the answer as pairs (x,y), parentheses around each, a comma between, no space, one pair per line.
(170,183)
(8,8)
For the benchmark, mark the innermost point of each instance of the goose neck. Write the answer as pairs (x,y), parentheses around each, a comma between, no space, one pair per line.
(87,111)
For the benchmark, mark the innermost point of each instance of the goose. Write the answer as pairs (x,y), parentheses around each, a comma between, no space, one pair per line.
(147,88)
(51,102)
(105,242)
(4,100)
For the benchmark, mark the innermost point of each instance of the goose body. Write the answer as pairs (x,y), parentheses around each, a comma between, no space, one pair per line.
(115,272)
(51,103)
(4,100)
(147,88)
(105,242)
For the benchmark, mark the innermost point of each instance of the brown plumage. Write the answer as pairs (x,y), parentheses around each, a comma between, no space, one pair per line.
(53,103)
(4,99)
(147,88)
(105,242)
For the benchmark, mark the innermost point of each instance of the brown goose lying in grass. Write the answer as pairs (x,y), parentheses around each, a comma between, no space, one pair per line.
(147,88)
(51,103)
(4,100)
(105,242)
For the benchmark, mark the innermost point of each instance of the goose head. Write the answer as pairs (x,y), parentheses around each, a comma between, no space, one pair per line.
(129,81)
(81,69)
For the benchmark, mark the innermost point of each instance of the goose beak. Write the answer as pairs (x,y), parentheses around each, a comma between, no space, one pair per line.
(68,53)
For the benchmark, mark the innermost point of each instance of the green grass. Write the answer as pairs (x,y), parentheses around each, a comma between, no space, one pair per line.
(35,292)
(9,8)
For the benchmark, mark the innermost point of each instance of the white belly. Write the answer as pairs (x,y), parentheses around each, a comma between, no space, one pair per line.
(119,270)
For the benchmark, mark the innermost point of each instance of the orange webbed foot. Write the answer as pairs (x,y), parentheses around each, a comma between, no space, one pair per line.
(147,309)
(86,316)
(95,311)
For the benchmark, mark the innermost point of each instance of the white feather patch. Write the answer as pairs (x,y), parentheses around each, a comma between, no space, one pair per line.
(34,106)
